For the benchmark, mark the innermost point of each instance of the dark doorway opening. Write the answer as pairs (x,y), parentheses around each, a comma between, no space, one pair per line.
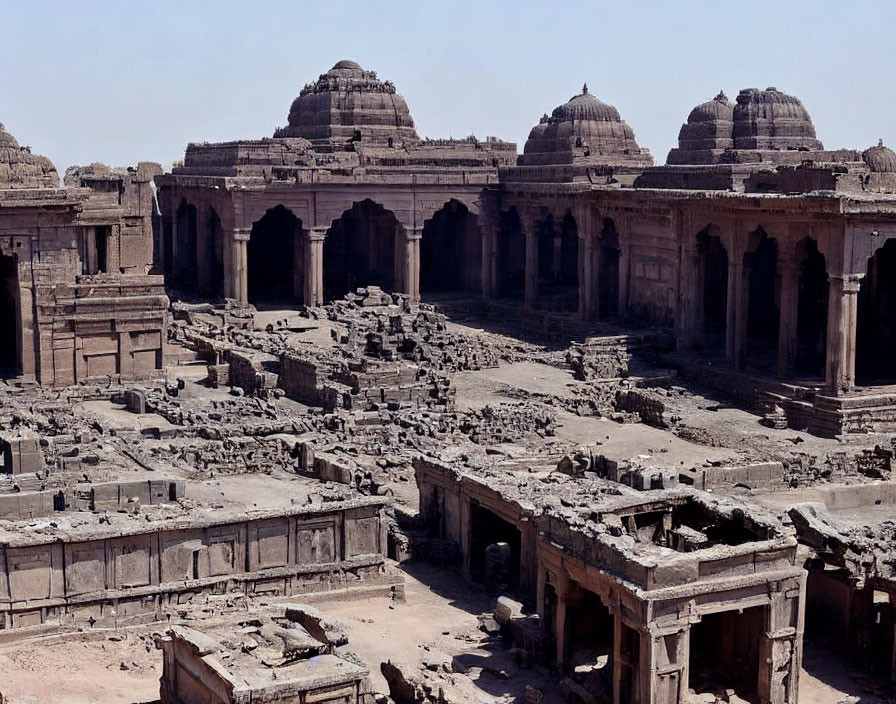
(876,325)
(608,275)
(590,634)
(763,307)
(451,251)
(10,319)
(359,250)
(812,310)
(713,272)
(558,264)
(273,251)
(187,270)
(103,235)
(510,256)
(725,650)
(214,256)
(497,568)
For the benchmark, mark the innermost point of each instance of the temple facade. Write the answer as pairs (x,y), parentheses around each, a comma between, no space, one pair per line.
(766,254)
(76,298)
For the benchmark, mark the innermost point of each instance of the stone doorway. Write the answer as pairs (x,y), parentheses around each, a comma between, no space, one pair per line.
(558,264)
(511,257)
(451,251)
(725,649)
(608,281)
(275,267)
(763,311)
(10,319)
(498,568)
(876,325)
(590,635)
(186,262)
(713,273)
(359,250)
(213,283)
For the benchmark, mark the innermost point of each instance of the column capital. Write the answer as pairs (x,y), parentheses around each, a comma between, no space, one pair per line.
(413,233)
(242,234)
(316,234)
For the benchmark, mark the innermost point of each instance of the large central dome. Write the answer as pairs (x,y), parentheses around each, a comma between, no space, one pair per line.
(348,104)
(583,131)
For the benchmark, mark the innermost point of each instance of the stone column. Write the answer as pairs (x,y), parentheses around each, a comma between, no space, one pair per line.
(690,299)
(625,260)
(239,273)
(90,250)
(787,322)
(411,263)
(489,223)
(840,364)
(733,303)
(528,224)
(586,272)
(556,258)
(741,328)
(313,241)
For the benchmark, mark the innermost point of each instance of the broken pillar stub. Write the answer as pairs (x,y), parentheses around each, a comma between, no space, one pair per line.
(20,454)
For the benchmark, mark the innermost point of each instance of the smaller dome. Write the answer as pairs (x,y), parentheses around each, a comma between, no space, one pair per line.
(585,107)
(719,108)
(880,159)
(345,63)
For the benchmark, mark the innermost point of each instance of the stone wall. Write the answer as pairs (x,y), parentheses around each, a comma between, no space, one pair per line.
(135,575)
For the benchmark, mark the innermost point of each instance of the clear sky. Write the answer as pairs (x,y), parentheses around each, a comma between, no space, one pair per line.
(125,81)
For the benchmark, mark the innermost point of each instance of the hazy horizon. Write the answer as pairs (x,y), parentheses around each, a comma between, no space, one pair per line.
(121,84)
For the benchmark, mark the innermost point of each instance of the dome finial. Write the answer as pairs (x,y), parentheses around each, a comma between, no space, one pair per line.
(585,89)
(880,142)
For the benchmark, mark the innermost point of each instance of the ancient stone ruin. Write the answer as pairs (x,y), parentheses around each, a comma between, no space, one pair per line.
(347,415)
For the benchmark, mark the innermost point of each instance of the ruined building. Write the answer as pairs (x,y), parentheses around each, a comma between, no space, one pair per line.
(76,298)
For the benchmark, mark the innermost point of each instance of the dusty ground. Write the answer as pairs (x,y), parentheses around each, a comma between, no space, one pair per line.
(437,622)
(78,671)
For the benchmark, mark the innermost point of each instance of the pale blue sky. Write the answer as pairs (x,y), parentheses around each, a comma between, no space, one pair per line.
(125,81)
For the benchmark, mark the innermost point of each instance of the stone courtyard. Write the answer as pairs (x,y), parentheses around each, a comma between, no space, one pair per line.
(348,415)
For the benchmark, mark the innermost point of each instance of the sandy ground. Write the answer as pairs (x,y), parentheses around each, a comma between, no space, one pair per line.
(78,671)
(437,621)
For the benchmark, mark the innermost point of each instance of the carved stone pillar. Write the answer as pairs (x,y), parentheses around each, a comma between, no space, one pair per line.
(411,263)
(586,271)
(690,301)
(840,365)
(489,223)
(787,321)
(239,271)
(528,223)
(733,302)
(741,332)
(313,239)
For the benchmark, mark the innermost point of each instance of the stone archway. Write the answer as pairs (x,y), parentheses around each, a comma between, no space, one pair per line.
(510,257)
(763,304)
(812,309)
(712,300)
(10,318)
(213,264)
(558,263)
(451,251)
(186,264)
(876,319)
(275,267)
(360,250)
(608,269)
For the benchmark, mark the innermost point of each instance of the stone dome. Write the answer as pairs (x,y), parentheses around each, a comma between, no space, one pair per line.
(880,159)
(348,103)
(719,108)
(19,168)
(772,120)
(707,133)
(584,130)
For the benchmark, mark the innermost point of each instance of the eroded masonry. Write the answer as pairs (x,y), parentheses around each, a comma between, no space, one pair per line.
(544,427)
